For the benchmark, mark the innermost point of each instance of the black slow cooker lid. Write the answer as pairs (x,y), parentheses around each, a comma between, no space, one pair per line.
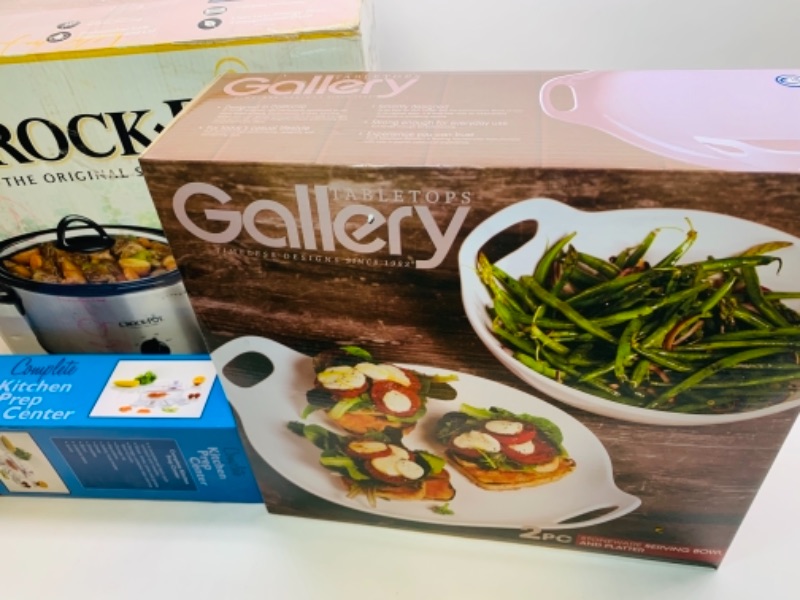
(75,233)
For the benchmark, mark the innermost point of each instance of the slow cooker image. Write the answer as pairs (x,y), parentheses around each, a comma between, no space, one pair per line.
(89,288)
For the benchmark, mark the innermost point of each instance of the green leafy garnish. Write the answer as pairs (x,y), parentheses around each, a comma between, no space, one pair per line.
(358,352)
(22,454)
(146,378)
(443,509)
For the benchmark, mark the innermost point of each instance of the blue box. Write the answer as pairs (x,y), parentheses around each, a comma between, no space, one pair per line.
(119,426)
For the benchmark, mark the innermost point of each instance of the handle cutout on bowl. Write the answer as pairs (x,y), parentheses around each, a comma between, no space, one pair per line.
(509,239)
(562,98)
(248,369)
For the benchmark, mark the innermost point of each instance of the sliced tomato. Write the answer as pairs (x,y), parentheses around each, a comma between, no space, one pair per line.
(395,399)
(414,382)
(465,452)
(527,434)
(543,452)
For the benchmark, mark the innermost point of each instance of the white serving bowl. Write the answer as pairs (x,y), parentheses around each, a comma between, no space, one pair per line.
(604,234)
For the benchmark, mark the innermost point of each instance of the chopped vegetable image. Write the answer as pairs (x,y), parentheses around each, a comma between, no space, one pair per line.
(15,465)
(126,383)
(702,337)
(146,378)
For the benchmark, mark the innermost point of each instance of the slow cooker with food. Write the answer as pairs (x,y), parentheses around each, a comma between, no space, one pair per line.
(89,288)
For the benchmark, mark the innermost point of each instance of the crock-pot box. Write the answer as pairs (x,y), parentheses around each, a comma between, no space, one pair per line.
(119,426)
(549,312)
(87,86)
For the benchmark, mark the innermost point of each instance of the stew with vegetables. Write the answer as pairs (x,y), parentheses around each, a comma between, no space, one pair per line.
(130,258)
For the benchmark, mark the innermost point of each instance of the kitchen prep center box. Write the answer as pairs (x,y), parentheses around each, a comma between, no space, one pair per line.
(86,86)
(111,426)
(554,308)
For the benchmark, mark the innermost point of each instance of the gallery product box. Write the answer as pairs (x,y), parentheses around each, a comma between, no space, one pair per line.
(86,86)
(554,308)
(110,426)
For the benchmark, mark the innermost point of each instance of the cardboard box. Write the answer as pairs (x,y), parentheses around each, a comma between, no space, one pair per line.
(109,426)
(332,249)
(86,87)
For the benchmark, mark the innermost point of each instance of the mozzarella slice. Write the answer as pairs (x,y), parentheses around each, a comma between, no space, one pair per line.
(341,377)
(383,372)
(367,447)
(504,427)
(409,469)
(396,401)
(399,452)
(476,440)
(525,448)
(398,464)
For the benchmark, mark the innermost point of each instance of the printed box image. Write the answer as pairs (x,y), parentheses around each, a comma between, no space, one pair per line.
(110,426)
(561,311)
(86,87)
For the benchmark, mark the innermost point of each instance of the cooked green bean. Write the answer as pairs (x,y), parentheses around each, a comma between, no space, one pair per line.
(543,266)
(679,337)
(753,287)
(569,312)
(710,370)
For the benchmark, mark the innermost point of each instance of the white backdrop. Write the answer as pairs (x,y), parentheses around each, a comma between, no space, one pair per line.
(587,34)
(133,550)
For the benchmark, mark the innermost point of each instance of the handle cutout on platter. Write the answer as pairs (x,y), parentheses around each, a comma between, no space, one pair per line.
(591,515)
(248,369)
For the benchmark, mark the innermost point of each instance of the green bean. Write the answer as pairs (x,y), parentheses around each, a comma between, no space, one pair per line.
(637,252)
(666,361)
(583,278)
(563,277)
(603,267)
(753,287)
(732,263)
(569,312)
(599,372)
(661,338)
(761,343)
(493,273)
(674,256)
(506,314)
(756,381)
(542,269)
(755,334)
(518,342)
(640,371)
(710,370)
(547,341)
(752,319)
(717,296)
(539,366)
(782,295)
(627,315)
(617,284)
(625,354)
